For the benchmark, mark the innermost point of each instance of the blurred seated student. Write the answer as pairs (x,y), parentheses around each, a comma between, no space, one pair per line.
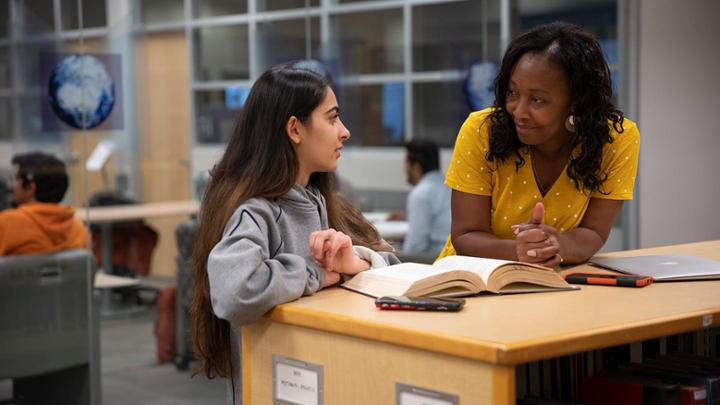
(541,175)
(427,209)
(39,224)
(264,240)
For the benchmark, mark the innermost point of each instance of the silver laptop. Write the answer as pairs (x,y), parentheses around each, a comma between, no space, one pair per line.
(675,267)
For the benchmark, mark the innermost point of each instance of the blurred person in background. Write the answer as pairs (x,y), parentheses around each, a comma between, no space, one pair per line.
(39,223)
(428,203)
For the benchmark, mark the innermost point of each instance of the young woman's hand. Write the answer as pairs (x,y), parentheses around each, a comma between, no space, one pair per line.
(333,250)
(331,278)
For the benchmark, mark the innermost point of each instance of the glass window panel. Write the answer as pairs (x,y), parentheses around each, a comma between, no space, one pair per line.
(152,11)
(439,109)
(596,16)
(221,53)
(282,41)
(94,14)
(366,51)
(38,16)
(217,111)
(355,1)
(450,36)
(374,114)
(28,57)
(271,5)
(30,121)
(4,68)
(211,8)
(4,18)
(6,118)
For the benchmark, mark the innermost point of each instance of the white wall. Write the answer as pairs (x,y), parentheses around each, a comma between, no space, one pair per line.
(380,168)
(365,168)
(679,120)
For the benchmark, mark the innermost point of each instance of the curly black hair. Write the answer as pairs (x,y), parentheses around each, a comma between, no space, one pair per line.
(579,55)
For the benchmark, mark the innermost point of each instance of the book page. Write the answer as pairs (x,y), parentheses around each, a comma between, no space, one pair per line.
(390,280)
(480,266)
(406,271)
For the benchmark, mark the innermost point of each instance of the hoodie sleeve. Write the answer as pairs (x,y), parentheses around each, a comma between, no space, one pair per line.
(3,235)
(376,259)
(14,232)
(245,280)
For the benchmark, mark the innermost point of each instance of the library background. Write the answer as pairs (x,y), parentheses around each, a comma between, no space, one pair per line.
(173,76)
(181,70)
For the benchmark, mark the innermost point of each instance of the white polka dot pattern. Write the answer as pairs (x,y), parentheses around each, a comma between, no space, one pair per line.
(512,191)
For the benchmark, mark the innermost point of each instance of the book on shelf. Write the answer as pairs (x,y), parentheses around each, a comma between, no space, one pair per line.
(679,374)
(455,276)
(612,388)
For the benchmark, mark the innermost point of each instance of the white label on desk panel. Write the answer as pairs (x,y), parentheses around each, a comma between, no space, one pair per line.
(707,320)
(409,395)
(296,382)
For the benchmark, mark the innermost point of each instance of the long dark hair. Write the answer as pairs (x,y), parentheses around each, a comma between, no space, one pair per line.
(260,162)
(579,55)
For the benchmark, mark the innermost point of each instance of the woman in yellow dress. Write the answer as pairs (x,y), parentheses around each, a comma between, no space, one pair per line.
(541,176)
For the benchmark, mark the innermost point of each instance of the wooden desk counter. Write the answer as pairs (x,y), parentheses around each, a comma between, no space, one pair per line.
(485,340)
(130,212)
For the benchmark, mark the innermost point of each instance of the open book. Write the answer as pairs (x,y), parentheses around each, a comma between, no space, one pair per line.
(455,276)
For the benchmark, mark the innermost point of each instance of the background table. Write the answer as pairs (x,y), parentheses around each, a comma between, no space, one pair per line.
(106,216)
(391,231)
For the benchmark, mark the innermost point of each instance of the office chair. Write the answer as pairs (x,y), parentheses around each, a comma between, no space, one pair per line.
(49,328)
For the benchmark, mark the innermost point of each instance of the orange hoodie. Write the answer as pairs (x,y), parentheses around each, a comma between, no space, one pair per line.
(40,228)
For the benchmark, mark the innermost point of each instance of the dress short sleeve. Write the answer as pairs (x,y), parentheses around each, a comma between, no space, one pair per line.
(469,171)
(620,162)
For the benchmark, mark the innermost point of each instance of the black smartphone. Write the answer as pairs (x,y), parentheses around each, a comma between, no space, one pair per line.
(620,280)
(420,303)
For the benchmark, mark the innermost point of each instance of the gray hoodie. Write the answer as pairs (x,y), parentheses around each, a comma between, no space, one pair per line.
(263,260)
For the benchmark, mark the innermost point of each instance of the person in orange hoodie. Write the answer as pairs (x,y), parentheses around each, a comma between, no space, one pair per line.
(39,224)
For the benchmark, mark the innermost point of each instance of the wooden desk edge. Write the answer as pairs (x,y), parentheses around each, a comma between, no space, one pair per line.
(129,212)
(489,352)
(555,346)
(494,352)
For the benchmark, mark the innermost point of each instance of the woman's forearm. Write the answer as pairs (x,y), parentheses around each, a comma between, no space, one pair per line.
(484,244)
(579,245)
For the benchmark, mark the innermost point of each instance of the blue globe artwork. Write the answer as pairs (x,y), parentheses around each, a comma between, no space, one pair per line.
(479,85)
(81,91)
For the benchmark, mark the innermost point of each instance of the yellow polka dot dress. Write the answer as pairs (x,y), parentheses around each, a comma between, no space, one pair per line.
(514,193)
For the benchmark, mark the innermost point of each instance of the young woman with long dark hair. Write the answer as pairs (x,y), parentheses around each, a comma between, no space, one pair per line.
(272,228)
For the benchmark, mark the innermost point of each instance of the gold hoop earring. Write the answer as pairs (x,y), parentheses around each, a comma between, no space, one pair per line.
(570,123)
